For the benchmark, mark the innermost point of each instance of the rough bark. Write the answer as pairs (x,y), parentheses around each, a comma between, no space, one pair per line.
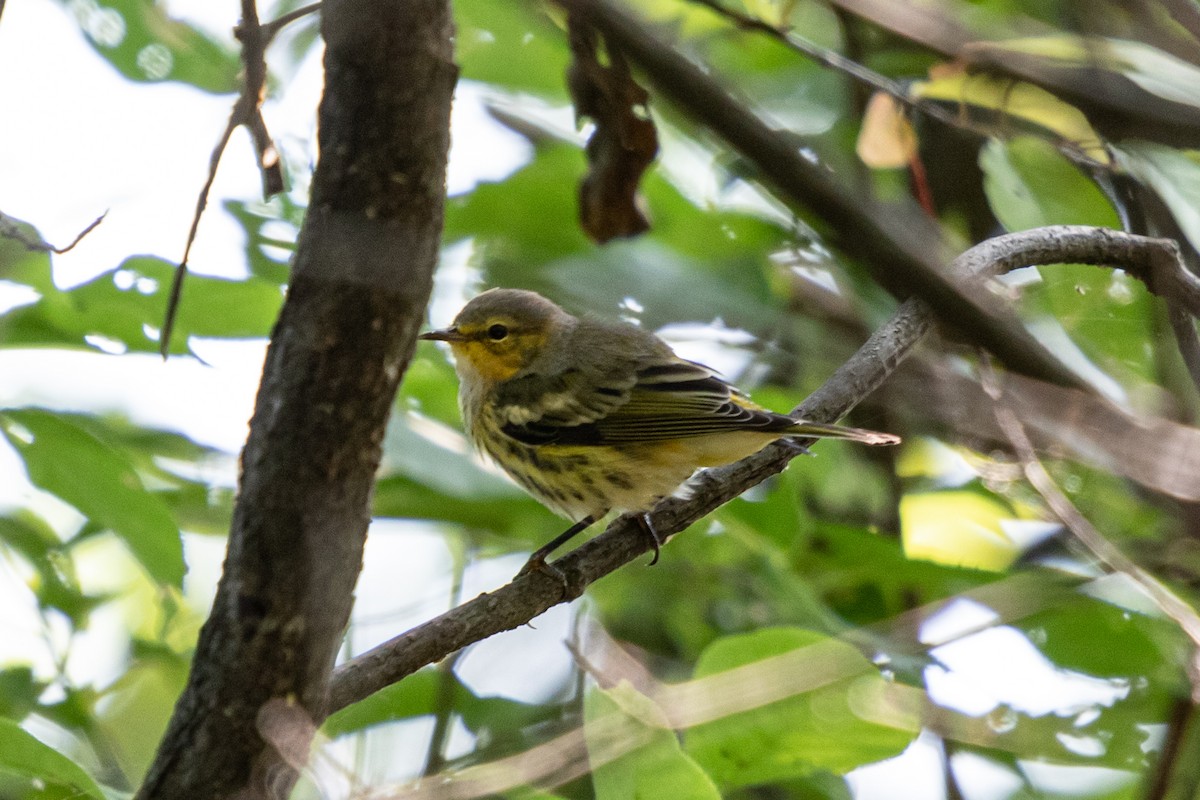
(360,283)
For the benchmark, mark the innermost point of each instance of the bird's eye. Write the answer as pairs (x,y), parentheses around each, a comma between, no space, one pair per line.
(498,332)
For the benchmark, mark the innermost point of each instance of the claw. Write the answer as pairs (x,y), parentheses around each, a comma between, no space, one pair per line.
(648,526)
(537,563)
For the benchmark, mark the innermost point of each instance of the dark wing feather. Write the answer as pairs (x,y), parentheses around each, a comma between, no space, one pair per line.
(662,398)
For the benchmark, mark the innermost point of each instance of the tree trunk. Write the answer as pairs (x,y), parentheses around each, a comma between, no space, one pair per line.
(360,283)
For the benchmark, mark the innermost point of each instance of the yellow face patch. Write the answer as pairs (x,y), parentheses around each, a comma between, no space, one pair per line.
(498,360)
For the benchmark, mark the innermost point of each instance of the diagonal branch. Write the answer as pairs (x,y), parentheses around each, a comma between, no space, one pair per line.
(10,229)
(1116,105)
(1108,554)
(900,247)
(246,111)
(529,595)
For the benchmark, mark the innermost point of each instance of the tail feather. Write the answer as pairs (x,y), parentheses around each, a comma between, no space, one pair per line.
(861,435)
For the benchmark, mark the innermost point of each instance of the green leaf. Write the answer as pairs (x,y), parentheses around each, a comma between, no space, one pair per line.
(55,585)
(512,46)
(144,44)
(1030,184)
(24,756)
(816,729)
(19,692)
(99,481)
(127,305)
(1134,645)
(1173,174)
(1018,100)
(136,709)
(656,767)
(414,696)
(530,217)
(420,694)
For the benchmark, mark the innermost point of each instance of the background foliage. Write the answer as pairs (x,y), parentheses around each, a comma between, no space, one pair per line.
(1064,683)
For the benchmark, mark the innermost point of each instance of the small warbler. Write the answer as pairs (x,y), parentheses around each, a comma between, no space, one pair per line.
(592,416)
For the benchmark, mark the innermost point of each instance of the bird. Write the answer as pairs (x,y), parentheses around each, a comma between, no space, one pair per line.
(591,416)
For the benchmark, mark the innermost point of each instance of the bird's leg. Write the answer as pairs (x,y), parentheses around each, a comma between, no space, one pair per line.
(645,523)
(537,561)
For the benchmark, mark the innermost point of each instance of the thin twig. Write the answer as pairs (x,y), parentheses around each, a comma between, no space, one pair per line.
(1183,325)
(249,106)
(868,77)
(435,758)
(271,29)
(10,230)
(1082,529)
(526,597)
(164,342)
(247,110)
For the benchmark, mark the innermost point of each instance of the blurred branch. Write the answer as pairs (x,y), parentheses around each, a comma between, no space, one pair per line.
(686,704)
(1155,217)
(1164,782)
(443,704)
(9,229)
(1082,529)
(247,110)
(1113,103)
(900,246)
(868,77)
(1183,325)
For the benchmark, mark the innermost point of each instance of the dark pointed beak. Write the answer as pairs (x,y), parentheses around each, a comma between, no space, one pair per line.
(444,335)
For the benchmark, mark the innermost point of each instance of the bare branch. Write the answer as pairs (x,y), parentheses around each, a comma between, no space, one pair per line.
(1082,529)
(164,340)
(1155,262)
(246,111)
(530,595)
(249,106)
(271,29)
(9,229)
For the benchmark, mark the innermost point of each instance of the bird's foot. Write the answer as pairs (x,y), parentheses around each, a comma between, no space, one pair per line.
(538,563)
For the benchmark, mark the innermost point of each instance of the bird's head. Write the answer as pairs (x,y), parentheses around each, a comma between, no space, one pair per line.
(501,331)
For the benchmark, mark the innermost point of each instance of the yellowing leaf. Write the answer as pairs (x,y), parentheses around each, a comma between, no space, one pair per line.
(1024,101)
(887,139)
(956,528)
